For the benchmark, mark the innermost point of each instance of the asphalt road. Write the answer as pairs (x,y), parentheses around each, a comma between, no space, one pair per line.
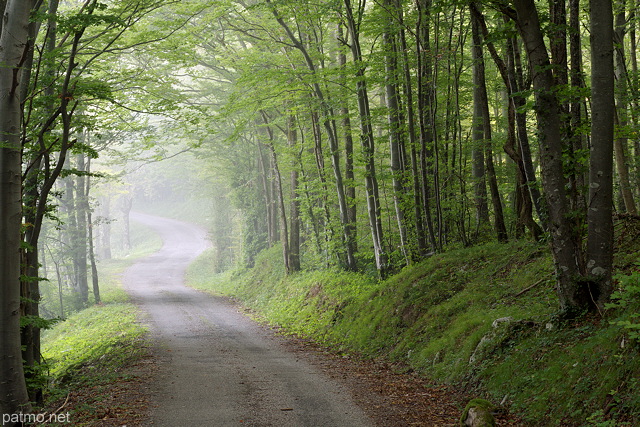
(217,367)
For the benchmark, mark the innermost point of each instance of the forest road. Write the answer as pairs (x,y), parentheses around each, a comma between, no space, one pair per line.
(217,367)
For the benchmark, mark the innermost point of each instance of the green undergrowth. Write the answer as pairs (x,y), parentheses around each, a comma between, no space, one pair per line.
(482,318)
(94,346)
(101,338)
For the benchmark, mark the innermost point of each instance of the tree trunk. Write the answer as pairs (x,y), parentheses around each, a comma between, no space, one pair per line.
(478,133)
(519,101)
(482,125)
(294,229)
(284,230)
(368,146)
(350,186)
(421,237)
(524,206)
(577,112)
(599,216)
(14,40)
(95,285)
(267,196)
(425,116)
(573,295)
(329,125)
(621,142)
(81,247)
(396,133)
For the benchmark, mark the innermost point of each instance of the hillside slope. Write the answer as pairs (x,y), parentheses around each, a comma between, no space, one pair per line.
(480,318)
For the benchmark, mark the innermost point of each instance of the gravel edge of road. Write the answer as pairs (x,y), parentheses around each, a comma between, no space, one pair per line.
(390,397)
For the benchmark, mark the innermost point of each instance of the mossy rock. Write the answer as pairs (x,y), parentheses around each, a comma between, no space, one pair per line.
(478,413)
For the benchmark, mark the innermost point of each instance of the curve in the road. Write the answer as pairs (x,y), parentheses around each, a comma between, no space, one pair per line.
(218,367)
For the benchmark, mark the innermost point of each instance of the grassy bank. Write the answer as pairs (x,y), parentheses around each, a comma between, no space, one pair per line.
(95,347)
(481,318)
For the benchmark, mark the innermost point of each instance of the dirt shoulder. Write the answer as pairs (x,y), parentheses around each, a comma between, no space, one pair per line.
(391,398)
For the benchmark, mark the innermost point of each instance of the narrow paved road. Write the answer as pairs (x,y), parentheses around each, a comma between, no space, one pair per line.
(217,367)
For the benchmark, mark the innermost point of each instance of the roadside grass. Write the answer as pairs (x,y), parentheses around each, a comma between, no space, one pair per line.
(96,346)
(481,318)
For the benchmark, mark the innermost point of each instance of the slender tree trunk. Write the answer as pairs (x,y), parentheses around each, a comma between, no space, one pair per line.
(267,194)
(315,223)
(621,142)
(396,134)
(573,295)
(368,145)
(329,125)
(577,113)
(524,206)
(14,40)
(523,137)
(421,237)
(425,116)
(284,228)
(482,125)
(320,167)
(635,90)
(95,285)
(294,229)
(478,132)
(350,186)
(81,248)
(599,217)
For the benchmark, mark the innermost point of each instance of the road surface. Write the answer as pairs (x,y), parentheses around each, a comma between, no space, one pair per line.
(218,367)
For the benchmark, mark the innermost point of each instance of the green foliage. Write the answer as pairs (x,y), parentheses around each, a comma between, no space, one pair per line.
(93,88)
(99,337)
(38,322)
(627,300)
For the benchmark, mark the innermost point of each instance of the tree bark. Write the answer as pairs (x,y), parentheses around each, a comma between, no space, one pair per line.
(284,228)
(621,141)
(368,146)
(482,125)
(524,205)
(573,295)
(421,236)
(81,243)
(15,44)
(599,216)
(295,222)
(268,197)
(350,185)
(396,134)
(577,111)
(425,115)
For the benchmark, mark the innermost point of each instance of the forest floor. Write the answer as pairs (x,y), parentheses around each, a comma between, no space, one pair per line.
(389,397)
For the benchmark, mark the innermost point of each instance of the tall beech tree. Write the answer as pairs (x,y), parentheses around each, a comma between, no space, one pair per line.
(14,49)
(599,261)
(583,280)
(331,132)
(353,19)
(482,127)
